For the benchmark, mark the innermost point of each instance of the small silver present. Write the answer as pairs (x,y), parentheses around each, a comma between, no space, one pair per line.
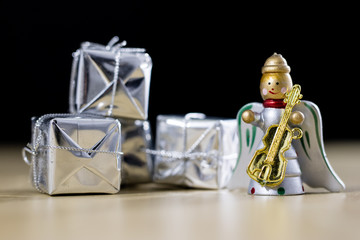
(137,165)
(195,151)
(75,154)
(110,80)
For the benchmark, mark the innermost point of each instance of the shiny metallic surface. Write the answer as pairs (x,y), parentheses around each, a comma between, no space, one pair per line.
(76,155)
(137,165)
(110,80)
(195,152)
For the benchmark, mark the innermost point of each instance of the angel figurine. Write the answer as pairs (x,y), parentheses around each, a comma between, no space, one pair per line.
(281,143)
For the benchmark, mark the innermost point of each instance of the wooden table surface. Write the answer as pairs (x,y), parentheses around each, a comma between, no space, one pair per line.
(152,211)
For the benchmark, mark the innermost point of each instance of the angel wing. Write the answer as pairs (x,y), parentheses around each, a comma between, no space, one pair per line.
(315,167)
(249,138)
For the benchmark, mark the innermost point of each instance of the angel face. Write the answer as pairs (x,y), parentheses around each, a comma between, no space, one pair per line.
(275,85)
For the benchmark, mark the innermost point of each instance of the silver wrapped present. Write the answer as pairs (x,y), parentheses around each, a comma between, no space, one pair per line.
(195,151)
(73,154)
(137,165)
(110,80)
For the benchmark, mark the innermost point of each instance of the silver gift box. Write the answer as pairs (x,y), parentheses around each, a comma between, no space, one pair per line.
(137,165)
(72,154)
(110,80)
(195,151)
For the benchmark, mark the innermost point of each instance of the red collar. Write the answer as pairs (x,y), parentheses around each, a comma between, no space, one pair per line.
(274,103)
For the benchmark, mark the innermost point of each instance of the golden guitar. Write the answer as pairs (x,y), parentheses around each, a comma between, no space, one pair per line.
(268,164)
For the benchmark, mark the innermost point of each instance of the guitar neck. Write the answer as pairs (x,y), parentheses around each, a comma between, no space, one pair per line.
(291,99)
(278,134)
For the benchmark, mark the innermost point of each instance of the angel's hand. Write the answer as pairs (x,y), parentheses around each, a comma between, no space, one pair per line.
(248,116)
(297,118)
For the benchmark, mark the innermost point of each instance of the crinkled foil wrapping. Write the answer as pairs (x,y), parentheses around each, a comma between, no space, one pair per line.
(137,165)
(195,151)
(76,154)
(110,80)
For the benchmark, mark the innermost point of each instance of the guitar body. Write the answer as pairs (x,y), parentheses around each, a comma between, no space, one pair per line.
(266,173)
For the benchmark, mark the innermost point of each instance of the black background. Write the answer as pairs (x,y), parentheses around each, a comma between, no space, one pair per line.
(206,57)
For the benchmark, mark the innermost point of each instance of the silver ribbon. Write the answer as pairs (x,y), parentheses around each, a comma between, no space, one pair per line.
(111,46)
(29,150)
(116,76)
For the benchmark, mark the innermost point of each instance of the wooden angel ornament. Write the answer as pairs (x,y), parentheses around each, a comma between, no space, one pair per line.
(281,143)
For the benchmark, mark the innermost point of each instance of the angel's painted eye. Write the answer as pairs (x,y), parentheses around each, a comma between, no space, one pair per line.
(269,83)
(277,83)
